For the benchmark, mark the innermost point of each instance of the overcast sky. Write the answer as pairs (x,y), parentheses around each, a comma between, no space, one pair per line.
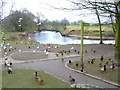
(41,6)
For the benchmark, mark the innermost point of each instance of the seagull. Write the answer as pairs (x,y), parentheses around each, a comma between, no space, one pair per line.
(38,47)
(45,50)
(1,45)
(47,53)
(6,61)
(34,51)
(8,44)
(19,50)
(5,53)
(55,46)
(71,47)
(5,47)
(29,38)
(48,47)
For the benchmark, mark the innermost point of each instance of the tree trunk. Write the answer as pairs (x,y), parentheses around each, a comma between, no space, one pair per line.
(101,42)
(82,39)
(113,26)
(117,38)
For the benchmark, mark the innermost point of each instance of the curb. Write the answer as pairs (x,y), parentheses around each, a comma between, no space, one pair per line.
(98,78)
(47,59)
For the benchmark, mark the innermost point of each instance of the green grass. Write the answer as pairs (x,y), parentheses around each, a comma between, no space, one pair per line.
(25,79)
(22,42)
(92,30)
(8,34)
(73,27)
(94,69)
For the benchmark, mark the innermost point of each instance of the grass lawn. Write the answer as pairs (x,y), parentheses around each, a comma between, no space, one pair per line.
(94,69)
(25,79)
(8,34)
(91,30)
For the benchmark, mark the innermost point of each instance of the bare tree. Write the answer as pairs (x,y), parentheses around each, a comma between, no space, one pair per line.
(98,16)
(2,3)
(107,6)
(114,8)
(19,21)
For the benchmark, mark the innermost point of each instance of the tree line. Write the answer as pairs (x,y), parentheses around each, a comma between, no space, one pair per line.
(23,20)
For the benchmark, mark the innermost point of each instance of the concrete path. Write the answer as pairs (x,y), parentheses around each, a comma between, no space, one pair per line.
(57,68)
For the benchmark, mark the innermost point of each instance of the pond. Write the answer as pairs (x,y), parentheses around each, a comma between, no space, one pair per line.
(52,37)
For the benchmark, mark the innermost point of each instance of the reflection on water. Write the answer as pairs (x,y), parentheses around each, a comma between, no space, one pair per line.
(56,38)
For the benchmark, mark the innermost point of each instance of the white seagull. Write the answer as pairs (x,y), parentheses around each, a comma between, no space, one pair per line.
(19,50)
(48,47)
(8,44)
(34,51)
(45,50)
(71,47)
(38,47)
(47,53)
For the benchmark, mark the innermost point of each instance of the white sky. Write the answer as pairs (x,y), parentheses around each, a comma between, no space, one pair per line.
(41,6)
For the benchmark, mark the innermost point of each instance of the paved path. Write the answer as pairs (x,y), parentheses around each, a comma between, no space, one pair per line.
(57,68)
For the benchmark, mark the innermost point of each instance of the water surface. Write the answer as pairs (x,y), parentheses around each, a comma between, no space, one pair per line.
(52,37)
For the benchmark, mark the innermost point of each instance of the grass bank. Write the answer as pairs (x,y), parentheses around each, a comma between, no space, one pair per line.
(24,78)
(95,69)
(92,30)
